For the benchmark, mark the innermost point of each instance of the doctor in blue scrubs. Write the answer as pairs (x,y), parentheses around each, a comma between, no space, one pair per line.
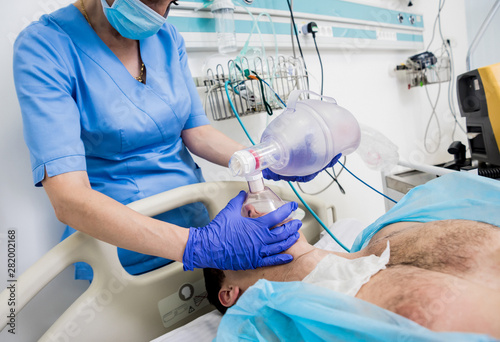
(109,112)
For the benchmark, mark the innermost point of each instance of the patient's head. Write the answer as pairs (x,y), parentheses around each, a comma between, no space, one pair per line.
(214,279)
(225,287)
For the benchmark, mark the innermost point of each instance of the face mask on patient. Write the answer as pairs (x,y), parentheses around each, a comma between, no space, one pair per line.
(340,272)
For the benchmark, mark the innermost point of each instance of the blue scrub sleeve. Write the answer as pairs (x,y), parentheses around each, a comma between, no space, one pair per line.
(197,116)
(51,118)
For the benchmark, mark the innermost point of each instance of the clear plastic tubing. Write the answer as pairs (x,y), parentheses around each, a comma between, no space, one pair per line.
(223,11)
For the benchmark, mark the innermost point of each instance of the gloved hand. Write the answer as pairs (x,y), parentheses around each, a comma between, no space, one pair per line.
(268,174)
(234,242)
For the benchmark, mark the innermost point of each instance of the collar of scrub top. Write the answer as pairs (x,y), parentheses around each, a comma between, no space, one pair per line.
(85,38)
(147,97)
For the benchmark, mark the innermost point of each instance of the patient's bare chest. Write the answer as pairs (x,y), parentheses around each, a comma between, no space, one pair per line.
(459,247)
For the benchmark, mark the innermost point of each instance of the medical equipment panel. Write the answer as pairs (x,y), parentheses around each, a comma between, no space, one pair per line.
(341,24)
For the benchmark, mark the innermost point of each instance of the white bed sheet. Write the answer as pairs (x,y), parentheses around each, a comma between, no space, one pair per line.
(204,328)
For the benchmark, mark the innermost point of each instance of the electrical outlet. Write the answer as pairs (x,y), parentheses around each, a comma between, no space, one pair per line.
(300,25)
(325,31)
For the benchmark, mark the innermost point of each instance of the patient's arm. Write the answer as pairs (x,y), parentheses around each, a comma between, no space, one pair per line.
(438,301)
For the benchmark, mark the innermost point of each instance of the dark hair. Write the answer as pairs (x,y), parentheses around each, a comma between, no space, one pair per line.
(213,284)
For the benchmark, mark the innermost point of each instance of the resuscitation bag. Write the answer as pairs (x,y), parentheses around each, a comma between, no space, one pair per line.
(302,140)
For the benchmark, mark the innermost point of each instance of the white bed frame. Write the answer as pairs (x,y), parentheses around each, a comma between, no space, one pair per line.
(121,307)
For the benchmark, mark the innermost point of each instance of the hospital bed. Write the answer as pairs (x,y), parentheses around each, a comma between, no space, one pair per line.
(121,307)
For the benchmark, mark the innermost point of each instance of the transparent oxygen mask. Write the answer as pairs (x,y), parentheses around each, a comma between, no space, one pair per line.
(260,199)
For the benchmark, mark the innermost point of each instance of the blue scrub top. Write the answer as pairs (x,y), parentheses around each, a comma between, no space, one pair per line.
(457,195)
(83,111)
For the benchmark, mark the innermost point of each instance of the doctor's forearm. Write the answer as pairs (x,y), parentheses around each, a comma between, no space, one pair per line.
(103,218)
(210,144)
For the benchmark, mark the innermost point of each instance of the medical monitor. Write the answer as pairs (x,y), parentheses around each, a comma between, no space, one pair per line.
(479,101)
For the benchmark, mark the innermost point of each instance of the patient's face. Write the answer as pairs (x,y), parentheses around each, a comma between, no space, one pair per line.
(225,287)
(235,283)
(251,211)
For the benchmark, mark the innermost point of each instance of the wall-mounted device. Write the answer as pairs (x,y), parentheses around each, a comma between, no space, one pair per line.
(422,60)
(479,101)
(424,68)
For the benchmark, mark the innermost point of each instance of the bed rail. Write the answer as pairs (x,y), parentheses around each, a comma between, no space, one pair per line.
(120,307)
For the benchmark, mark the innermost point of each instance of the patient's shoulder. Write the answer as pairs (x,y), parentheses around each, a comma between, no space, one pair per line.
(436,244)
(392,230)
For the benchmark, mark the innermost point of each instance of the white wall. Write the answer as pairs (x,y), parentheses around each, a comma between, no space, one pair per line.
(488,49)
(361,82)
(358,79)
(23,207)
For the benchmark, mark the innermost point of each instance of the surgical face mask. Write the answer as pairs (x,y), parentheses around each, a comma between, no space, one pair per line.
(133,19)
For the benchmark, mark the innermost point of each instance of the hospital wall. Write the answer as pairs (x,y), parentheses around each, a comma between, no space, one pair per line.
(360,80)
(488,49)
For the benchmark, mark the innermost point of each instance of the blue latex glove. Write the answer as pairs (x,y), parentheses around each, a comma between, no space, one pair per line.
(268,174)
(234,242)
